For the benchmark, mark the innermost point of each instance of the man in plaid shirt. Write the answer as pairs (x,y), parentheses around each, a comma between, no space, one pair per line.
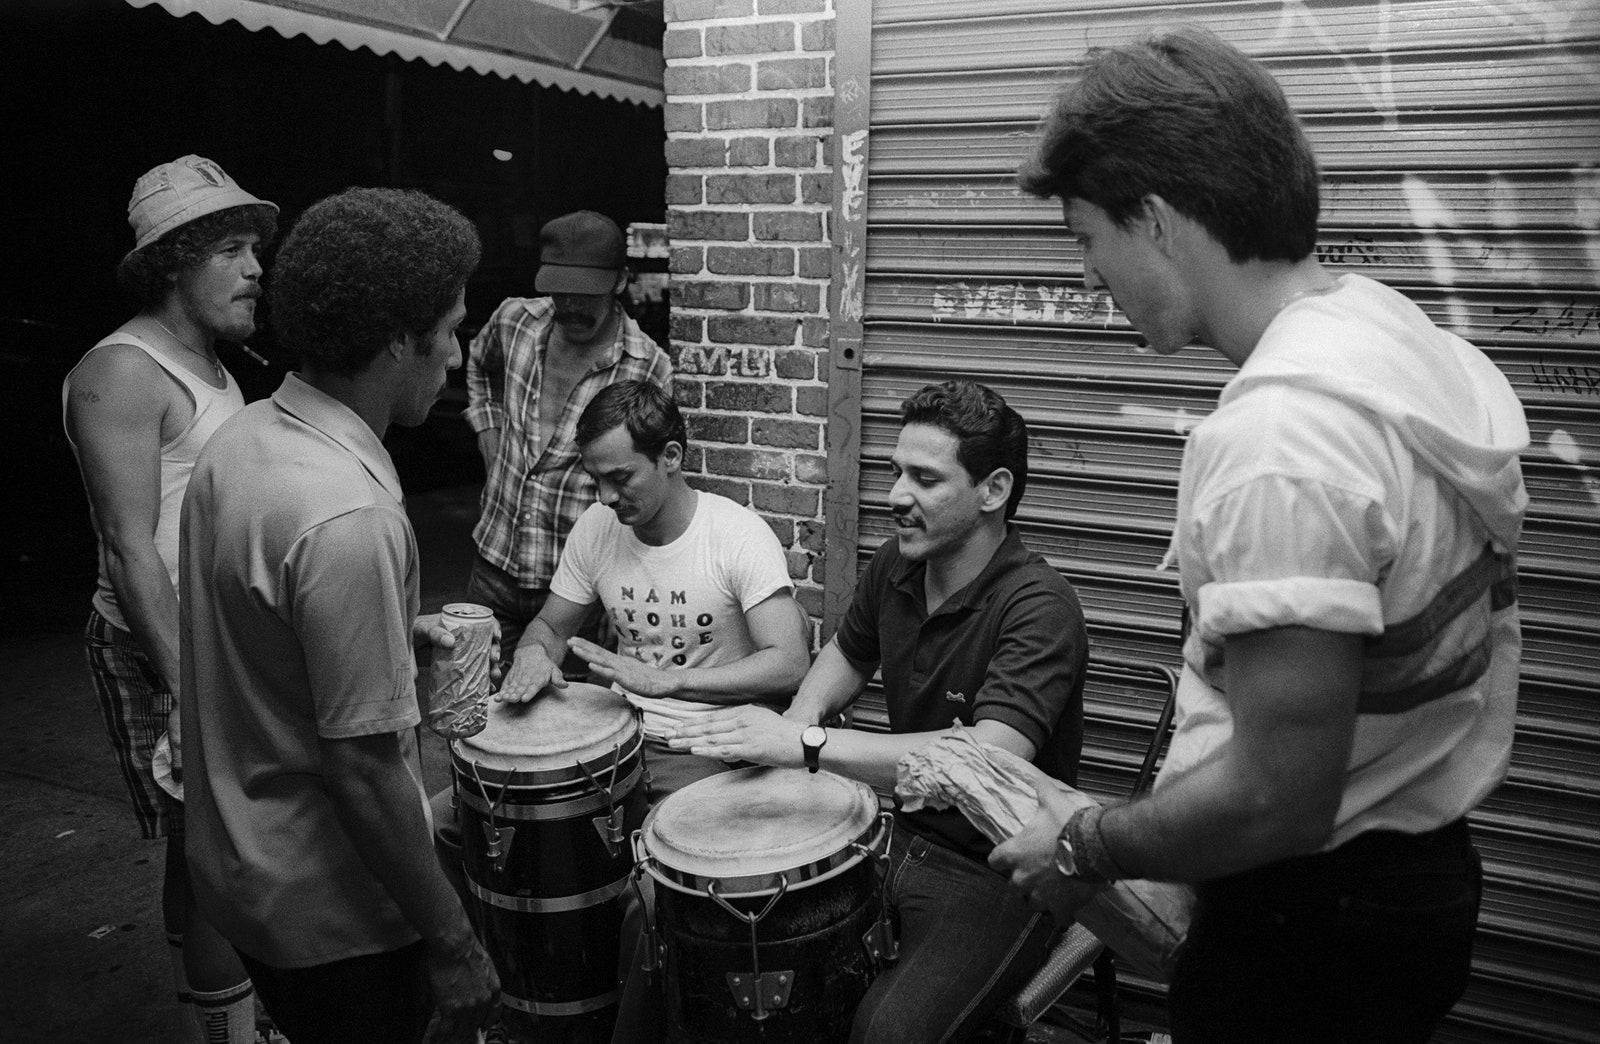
(531,370)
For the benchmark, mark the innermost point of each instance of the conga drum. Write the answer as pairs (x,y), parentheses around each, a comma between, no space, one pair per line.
(768,904)
(549,793)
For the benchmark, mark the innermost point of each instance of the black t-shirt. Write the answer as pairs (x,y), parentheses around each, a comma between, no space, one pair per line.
(1009,647)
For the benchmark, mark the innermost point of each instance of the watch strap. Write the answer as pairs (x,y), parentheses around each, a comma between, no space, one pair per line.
(1093,862)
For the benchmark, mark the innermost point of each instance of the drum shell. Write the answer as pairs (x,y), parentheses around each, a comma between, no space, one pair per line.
(815,931)
(551,915)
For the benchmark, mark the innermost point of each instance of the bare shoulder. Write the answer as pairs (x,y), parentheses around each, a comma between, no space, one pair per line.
(119,383)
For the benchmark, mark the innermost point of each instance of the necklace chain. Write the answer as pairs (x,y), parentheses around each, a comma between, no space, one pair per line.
(215,364)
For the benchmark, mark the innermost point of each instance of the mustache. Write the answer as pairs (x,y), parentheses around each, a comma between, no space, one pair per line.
(572,318)
(251,294)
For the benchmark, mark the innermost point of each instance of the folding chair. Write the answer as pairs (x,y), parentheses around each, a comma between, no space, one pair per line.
(1078,950)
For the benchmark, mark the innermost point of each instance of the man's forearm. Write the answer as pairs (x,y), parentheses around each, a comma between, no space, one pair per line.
(832,684)
(149,606)
(1207,825)
(772,673)
(539,636)
(380,808)
(1275,790)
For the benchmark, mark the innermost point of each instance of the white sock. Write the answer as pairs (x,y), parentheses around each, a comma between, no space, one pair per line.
(227,1016)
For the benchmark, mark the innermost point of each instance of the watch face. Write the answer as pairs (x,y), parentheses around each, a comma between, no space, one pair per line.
(814,736)
(1065,861)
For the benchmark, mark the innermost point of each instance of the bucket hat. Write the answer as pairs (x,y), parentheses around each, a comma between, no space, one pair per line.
(176,193)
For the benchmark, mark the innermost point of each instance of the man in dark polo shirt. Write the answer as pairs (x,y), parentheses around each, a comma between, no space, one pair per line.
(967,625)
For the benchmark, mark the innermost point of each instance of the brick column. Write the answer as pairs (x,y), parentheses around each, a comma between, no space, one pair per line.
(749,115)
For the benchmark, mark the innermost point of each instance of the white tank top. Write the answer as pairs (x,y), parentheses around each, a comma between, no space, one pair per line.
(212,406)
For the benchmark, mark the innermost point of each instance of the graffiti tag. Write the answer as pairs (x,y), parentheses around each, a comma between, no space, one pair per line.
(1571,320)
(1575,380)
(705,360)
(1020,303)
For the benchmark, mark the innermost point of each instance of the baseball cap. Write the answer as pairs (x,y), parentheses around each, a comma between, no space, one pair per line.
(580,253)
(176,193)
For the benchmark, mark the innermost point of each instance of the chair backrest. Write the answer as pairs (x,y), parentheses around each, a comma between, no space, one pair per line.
(1158,738)
(1078,950)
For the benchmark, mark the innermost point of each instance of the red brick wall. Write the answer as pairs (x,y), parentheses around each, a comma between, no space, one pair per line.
(749,116)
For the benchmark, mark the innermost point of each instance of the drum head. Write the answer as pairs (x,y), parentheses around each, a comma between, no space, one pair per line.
(579,723)
(758,821)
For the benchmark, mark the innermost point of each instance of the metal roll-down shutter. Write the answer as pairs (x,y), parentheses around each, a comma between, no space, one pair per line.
(1459,143)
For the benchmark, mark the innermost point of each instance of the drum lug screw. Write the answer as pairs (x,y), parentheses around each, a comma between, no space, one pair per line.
(760,993)
(610,829)
(497,845)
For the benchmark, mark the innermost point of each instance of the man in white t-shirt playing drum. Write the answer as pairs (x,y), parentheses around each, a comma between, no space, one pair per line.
(694,586)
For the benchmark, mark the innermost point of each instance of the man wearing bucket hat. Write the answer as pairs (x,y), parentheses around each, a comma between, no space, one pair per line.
(530,372)
(137,409)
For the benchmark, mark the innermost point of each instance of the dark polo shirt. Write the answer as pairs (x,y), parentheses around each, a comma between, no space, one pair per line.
(1009,647)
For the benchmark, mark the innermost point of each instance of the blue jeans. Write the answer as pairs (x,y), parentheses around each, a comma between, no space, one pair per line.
(967,941)
(1370,943)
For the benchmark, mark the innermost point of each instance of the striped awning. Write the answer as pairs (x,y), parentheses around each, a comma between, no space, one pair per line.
(591,51)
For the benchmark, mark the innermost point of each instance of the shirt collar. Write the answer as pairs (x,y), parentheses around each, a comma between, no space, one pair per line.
(624,343)
(908,576)
(341,424)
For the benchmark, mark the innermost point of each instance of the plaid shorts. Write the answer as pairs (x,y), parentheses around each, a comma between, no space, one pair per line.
(134,704)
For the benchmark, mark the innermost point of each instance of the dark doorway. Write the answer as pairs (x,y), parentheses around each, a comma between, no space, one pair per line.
(95,92)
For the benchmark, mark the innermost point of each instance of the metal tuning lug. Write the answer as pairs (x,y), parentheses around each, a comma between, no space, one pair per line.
(880,943)
(497,845)
(761,993)
(609,827)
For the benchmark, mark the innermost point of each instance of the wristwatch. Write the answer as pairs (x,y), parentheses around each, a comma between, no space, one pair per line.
(812,741)
(1072,859)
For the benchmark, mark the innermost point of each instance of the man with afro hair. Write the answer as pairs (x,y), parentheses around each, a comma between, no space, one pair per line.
(309,836)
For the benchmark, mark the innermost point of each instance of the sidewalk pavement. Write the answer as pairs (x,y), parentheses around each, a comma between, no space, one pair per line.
(83,956)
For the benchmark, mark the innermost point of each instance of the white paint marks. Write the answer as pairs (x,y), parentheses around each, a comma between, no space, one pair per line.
(1021,303)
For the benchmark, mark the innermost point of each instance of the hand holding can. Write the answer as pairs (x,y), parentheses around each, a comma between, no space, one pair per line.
(461,674)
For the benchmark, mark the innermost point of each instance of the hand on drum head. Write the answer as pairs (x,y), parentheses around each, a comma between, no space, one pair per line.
(638,678)
(531,673)
(1030,856)
(747,733)
(466,994)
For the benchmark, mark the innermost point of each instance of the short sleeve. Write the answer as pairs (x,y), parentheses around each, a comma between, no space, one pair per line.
(486,376)
(857,635)
(1282,550)
(661,371)
(758,569)
(1040,649)
(347,581)
(578,566)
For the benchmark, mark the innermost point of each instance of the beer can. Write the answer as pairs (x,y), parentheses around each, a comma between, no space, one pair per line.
(461,683)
